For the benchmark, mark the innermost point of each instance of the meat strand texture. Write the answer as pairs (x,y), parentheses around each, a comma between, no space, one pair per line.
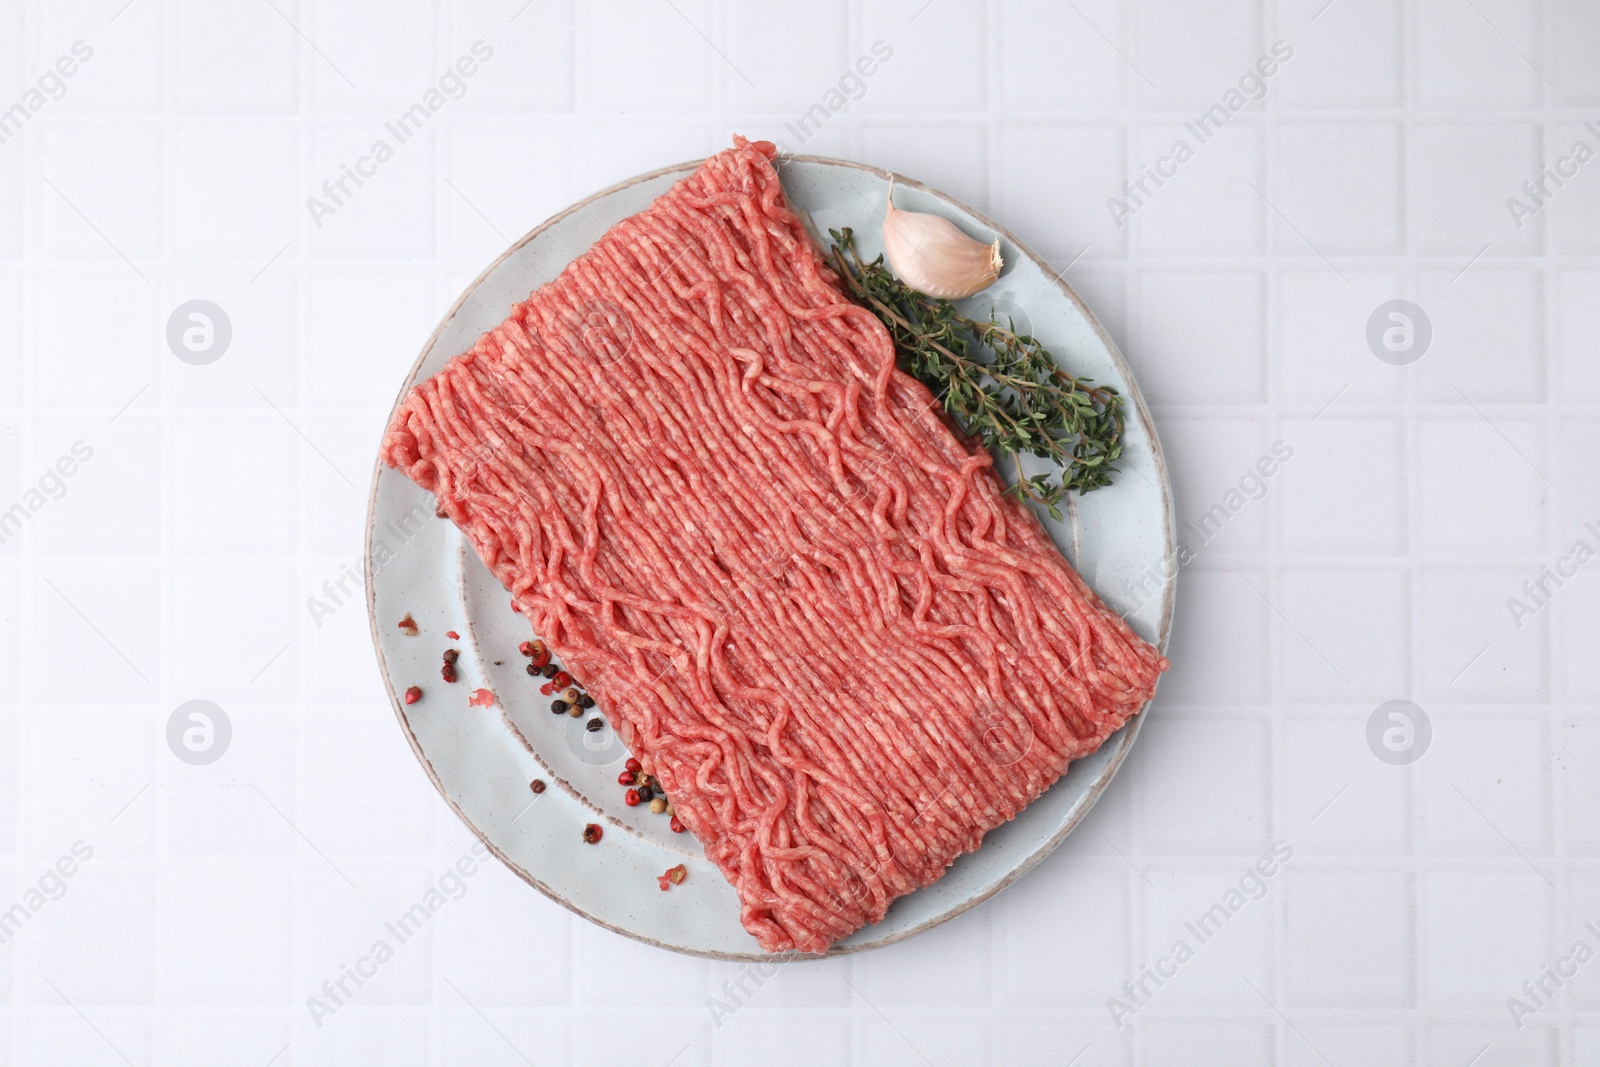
(804,603)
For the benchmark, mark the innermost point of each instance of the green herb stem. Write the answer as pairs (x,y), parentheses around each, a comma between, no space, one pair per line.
(1003,389)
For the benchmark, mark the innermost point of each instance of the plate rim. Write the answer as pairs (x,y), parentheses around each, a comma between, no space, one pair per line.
(1126,736)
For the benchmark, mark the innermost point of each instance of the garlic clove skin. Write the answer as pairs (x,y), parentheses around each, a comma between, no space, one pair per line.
(932,255)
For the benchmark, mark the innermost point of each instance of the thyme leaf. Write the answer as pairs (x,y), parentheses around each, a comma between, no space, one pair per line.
(1003,389)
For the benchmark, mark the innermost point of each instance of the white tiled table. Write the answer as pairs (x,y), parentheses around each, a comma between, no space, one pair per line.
(1376,565)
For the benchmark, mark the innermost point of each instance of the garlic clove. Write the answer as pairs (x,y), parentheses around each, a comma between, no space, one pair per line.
(932,255)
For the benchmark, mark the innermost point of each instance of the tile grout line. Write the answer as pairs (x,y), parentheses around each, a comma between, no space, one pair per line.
(1563,913)
(27,582)
(1273,355)
(165,280)
(1416,867)
(303,266)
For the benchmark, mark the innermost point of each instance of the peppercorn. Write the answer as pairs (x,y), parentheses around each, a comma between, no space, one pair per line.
(549,670)
(632,798)
(532,670)
(413,694)
(625,778)
(657,805)
(594,725)
(575,711)
(633,765)
(570,695)
(669,808)
(448,672)
(646,793)
(451,655)
(537,785)
(677,827)
(585,700)
(562,679)
(558,707)
(592,834)
(526,648)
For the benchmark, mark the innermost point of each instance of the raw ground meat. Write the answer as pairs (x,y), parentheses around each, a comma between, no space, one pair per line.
(802,601)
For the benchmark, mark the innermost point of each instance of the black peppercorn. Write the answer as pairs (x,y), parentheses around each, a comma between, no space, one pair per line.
(451,655)
(594,725)
(558,707)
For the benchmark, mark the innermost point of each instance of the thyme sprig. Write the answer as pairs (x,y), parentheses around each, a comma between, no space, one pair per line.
(1003,389)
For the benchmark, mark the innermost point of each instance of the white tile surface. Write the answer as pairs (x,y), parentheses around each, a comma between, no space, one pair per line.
(1461,456)
(532,65)
(1339,184)
(1486,792)
(649,57)
(951,156)
(11,187)
(1471,354)
(87,217)
(234,909)
(1223,812)
(1223,306)
(1344,487)
(1057,57)
(1354,59)
(98,354)
(1056,179)
(219,170)
(1220,646)
(1486,59)
(1177,74)
(126,71)
(1211,458)
(261,75)
(1346,926)
(1577,325)
(1576,28)
(362,224)
(1209,208)
(1325,758)
(1337,645)
(1482,926)
(938,56)
(373,65)
(1468,170)
(1322,322)
(1376,563)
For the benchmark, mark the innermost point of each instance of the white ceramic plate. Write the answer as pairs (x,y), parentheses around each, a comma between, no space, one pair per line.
(1120,538)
